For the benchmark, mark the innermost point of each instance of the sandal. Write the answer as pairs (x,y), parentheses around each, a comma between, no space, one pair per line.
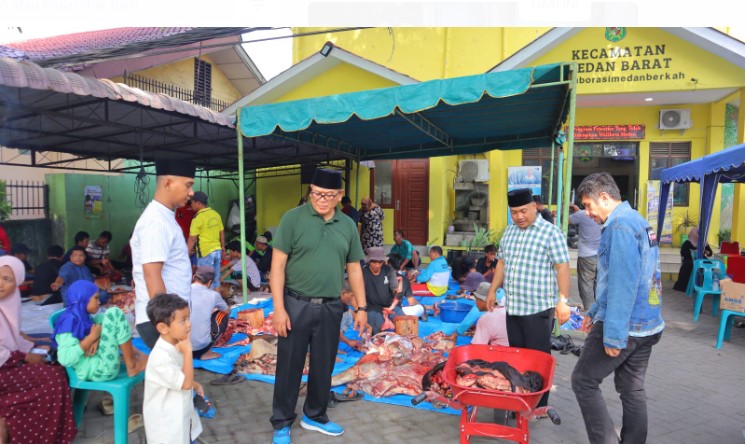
(352,395)
(229,379)
(135,422)
(106,406)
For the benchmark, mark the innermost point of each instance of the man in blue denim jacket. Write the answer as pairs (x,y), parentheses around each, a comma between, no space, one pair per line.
(625,321)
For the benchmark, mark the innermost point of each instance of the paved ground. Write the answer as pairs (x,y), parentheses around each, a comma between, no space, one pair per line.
(696,395)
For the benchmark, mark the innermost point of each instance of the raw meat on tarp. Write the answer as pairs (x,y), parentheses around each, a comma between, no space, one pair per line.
(395,364)
(243,326)
(262,358)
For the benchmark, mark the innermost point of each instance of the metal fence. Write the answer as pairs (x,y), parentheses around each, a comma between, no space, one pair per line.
(174,91)
(28,200)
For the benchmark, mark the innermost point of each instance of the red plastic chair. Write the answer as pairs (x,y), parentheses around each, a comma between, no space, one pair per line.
(729,248)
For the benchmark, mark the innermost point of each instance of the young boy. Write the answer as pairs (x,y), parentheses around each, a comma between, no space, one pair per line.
(348,299)
(168,409)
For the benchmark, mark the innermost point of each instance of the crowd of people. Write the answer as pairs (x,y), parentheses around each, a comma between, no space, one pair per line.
(326,269)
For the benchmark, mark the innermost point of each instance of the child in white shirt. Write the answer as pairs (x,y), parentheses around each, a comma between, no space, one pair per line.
(168,408)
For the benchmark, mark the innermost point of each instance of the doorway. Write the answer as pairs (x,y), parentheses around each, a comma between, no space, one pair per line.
(620,160)
(402,185)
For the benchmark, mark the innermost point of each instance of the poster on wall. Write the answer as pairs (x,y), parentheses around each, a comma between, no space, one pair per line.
(525,177)
(652,211)
(93,206)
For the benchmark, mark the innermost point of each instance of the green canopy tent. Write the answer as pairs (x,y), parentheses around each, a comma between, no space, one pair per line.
(517,109)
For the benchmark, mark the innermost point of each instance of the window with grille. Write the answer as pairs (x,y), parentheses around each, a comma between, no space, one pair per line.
(667,155)
(202,90)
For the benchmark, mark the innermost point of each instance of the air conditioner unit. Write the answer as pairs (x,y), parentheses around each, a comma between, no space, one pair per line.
(473,171)
(673,119)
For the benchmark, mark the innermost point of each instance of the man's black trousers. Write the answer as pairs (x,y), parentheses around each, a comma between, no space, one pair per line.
(315,328)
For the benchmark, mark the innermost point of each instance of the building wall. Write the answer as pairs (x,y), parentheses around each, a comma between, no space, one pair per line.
(341,79)
(661,62)
(120,211)
(182,74)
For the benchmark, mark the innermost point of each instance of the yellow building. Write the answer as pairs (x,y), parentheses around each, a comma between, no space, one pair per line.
(647,98)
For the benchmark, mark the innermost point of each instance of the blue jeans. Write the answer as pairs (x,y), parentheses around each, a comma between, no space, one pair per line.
(630,373)
(212,259)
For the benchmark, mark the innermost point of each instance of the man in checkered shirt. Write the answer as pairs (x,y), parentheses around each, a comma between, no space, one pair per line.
(533,269)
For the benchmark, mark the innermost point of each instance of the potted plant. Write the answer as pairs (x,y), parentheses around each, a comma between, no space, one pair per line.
(684,225)
(4,204)
(724,236)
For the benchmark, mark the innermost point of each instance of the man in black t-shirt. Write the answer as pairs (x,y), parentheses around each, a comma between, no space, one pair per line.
(45,274)
(381,285)
(542,209)
(486,266)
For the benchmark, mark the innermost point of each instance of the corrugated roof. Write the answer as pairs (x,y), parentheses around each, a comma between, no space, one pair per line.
(82,42)
(30,75)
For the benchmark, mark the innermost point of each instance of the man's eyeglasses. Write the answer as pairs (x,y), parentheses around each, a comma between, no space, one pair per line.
(323,196)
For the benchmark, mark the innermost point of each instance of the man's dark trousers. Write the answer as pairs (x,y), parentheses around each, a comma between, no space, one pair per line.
(630,373)
(531,331)
(315,328)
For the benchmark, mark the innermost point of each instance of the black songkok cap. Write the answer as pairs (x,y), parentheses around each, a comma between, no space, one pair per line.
(183,168)
(328,179)
(517,198)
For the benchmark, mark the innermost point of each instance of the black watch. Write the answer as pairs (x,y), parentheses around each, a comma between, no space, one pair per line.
(361,309)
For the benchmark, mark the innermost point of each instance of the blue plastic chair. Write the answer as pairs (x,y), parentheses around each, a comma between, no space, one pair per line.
(119,388)
(706,288)
(690,291)
(724,329)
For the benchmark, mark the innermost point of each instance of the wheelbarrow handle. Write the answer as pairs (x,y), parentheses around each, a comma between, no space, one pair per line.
(420,398)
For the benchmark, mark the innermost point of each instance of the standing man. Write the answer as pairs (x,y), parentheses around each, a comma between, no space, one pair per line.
(314,245)
(372,229)
(160,261)
(589,233)
(543,211)
(206,235)
(533,269)
(625,322)
(350,210)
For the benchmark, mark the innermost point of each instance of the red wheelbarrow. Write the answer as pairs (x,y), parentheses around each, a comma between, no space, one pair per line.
(469,399)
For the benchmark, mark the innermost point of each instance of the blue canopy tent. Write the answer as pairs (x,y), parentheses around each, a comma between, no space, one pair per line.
(725,166)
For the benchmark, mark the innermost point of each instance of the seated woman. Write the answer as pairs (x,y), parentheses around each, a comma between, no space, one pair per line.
(89,344)
(687,253)
(71,272)
(34,396)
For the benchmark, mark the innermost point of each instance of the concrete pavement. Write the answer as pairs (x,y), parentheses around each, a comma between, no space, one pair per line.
(696,394)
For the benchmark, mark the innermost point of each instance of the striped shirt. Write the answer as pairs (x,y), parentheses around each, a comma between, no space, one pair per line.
(529,256)
(158,238)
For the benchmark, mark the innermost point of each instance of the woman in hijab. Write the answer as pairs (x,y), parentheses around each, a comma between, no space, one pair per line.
(34,396)
(687,253)
(89,341)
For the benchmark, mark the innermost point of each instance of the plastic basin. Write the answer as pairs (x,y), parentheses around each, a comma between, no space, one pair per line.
(453,312)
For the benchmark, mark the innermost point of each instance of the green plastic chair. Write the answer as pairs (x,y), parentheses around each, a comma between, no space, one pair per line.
(118,387)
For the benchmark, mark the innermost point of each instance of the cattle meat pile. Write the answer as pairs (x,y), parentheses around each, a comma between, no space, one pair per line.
(243,326)
(262,358)
(395,364)
(497,376)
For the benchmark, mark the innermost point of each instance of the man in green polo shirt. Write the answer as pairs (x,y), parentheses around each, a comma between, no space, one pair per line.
(314,245)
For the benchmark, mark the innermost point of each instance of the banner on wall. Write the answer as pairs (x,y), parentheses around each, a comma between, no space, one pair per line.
(652,211)
(93,207)
(525,177)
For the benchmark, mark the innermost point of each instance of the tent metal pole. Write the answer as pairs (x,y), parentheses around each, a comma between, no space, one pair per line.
(242,205)
(552,169)
(569,156)
(357,180)
(559,211)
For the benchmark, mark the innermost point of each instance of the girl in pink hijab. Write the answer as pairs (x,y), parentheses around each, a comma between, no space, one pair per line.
(34,396)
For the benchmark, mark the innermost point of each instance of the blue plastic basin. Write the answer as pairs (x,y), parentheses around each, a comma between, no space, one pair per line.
(453,312)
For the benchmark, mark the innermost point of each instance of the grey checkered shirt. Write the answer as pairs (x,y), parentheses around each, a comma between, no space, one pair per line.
(529,256)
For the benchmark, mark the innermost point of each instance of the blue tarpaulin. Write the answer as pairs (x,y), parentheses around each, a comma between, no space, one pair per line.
(725,166)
